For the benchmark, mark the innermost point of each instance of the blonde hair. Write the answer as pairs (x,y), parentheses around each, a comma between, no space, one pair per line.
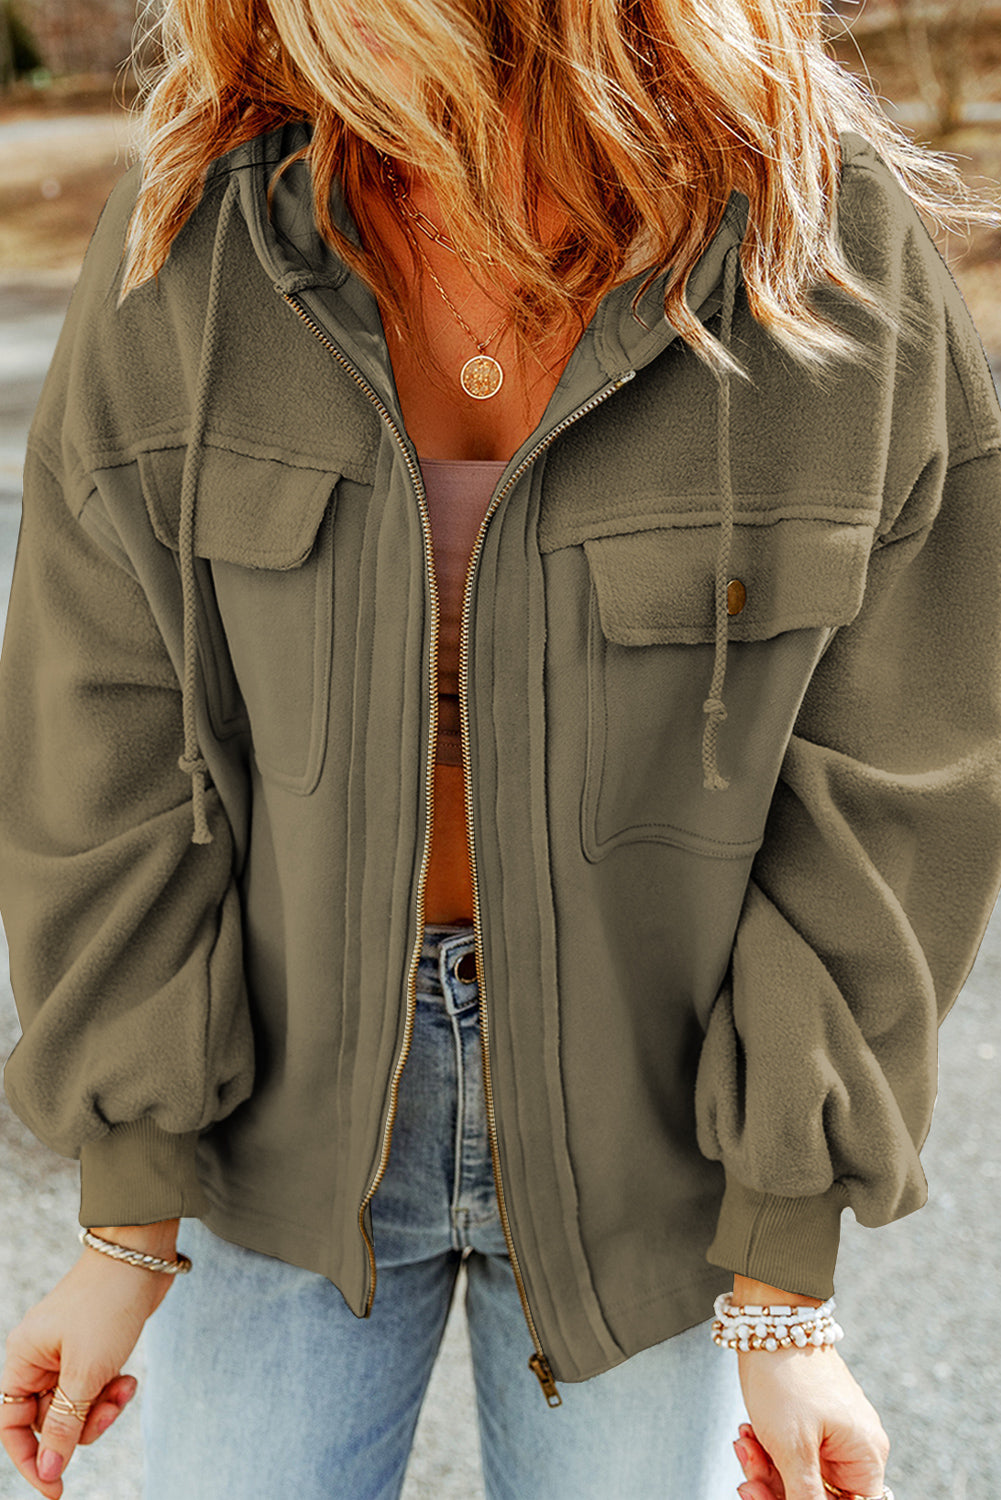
(641,116)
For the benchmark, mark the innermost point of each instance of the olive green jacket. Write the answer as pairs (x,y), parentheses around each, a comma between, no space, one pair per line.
(735,849)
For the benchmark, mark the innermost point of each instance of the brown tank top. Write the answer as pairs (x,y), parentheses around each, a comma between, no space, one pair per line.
(458,494)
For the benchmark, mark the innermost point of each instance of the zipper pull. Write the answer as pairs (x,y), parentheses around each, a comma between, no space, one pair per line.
(539,1365)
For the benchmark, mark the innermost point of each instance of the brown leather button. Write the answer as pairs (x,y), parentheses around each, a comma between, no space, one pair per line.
(736,596)
(464,968)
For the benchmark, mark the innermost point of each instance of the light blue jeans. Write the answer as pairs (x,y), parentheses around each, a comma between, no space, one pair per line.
(262,1385)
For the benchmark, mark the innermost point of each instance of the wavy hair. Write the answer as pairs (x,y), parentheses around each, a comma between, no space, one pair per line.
(641,117)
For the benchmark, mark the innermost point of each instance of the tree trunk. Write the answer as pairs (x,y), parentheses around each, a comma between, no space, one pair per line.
(6,48)
(938,46)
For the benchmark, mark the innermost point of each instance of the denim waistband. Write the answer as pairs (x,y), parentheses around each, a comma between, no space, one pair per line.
(446,971)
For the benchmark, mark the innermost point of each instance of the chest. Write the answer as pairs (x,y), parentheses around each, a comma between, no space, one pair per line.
(444,421)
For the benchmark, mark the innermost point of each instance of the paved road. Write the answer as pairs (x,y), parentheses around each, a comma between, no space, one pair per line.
(39,130)
(920,1299)
(30,316)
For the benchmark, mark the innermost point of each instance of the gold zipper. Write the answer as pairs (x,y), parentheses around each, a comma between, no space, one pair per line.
(538,1363)
(417,480)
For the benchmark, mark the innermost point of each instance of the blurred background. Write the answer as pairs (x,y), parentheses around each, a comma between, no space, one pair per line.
(64,83)
(919,1299)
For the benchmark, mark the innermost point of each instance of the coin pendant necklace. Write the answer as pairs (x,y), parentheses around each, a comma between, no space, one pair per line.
(482,375)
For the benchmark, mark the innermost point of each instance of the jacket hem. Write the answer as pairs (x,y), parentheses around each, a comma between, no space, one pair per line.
(653,1319)
(283,1239)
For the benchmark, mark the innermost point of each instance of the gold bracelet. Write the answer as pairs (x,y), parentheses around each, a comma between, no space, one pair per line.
(135,1257)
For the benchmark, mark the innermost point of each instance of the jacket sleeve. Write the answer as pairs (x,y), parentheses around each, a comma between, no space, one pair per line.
(125,937)
(869,896)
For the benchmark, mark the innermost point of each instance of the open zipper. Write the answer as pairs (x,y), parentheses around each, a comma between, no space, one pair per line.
(538,1363)
(417,480)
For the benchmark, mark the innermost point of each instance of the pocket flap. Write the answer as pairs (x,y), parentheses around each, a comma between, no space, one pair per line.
(256,512)
(658,586)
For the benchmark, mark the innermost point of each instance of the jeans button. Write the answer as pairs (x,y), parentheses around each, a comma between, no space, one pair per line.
(464,968)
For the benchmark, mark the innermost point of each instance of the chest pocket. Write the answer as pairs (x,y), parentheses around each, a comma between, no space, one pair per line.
(650,658)
(264,531)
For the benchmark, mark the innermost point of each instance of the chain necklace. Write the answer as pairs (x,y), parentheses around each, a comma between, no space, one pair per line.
(481,376)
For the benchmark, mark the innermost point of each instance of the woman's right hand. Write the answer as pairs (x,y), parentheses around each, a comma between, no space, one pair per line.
(79,1336)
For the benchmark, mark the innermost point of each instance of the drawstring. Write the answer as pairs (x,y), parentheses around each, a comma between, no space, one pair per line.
(192,762)
(714,707)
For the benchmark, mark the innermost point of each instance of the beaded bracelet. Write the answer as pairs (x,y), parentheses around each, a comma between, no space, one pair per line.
(752,1327)
(135,1257)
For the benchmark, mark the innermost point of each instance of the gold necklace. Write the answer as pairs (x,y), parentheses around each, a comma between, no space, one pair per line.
(481,376)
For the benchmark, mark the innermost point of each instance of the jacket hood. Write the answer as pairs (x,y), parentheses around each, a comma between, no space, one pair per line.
(295,256)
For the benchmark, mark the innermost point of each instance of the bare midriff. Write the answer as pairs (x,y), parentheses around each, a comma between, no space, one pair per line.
(458,496)
(448,892)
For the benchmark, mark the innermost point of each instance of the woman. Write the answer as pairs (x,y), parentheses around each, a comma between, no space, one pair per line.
(499,750)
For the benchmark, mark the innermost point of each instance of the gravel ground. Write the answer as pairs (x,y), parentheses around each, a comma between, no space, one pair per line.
(919,1299)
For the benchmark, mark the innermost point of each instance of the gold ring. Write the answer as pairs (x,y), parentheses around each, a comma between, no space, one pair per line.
(8,1397)
(62,1404)
(885,1494)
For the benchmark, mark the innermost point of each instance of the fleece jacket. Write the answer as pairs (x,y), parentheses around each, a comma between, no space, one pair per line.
(732,727)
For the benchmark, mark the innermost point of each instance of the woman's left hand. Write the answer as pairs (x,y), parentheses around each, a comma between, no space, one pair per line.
(810,1421)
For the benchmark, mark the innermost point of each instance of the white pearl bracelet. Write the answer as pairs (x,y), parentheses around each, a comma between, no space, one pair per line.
(135,1257)
(752,1327)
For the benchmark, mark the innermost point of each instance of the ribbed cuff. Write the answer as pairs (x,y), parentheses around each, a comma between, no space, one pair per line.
(139,1174)
(790,1243)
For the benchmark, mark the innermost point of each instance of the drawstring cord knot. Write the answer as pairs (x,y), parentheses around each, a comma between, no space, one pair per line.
(193,765)
(197,768)
(714,708)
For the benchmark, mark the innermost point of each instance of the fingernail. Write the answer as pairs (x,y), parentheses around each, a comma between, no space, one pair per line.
(742,1454)
(50,1465)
